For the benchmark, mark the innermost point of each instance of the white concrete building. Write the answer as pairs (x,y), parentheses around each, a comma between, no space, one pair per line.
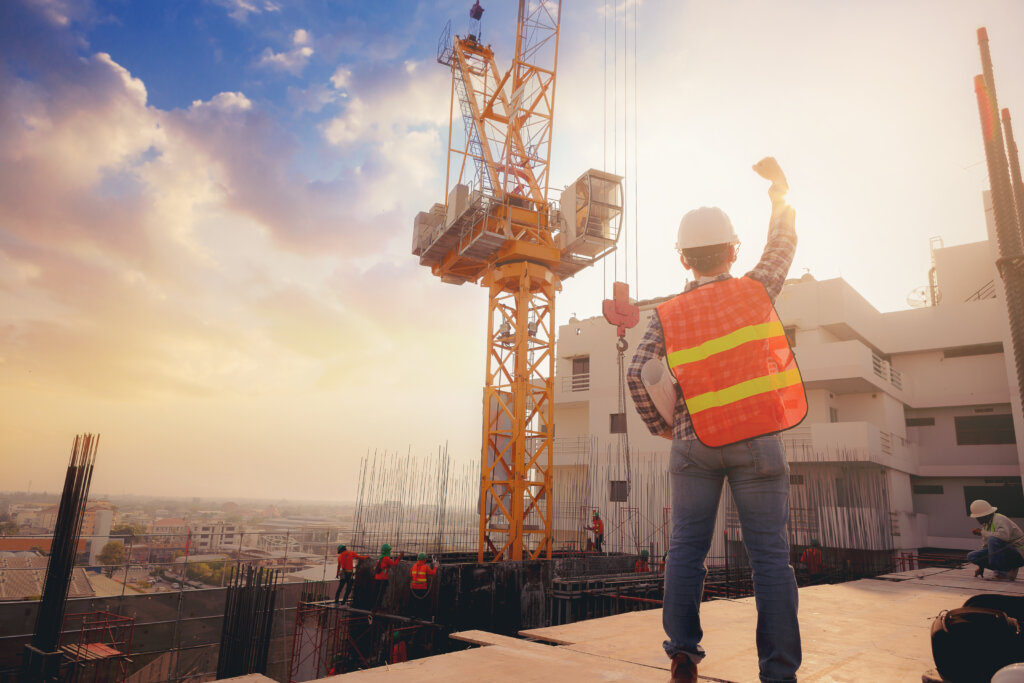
(912,414)
(209,536)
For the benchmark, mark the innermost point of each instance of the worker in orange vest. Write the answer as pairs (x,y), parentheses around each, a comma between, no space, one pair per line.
(737,387)
(381,572)
(811,559)
(420,587)
(419,573)
(346,570)
(642,565)
(597,526)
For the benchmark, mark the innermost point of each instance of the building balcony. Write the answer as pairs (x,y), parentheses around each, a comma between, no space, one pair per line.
(849,367)
(849,442)
(572,388)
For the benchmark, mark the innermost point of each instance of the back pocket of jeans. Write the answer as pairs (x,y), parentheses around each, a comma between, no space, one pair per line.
(769,456)
(679,456)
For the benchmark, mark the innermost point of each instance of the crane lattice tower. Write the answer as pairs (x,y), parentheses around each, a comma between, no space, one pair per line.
(499,229)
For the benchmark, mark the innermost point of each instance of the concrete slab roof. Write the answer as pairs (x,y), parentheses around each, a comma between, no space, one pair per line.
(867,630)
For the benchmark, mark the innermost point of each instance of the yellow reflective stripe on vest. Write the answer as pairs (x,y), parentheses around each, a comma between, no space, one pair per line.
(726,342)
(738,392)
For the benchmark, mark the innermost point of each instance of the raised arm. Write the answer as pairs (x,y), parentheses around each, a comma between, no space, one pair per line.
(780,247)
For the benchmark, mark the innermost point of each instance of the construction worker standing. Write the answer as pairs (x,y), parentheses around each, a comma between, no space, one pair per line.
(420,587)
(346,570)
(738,386)
(381,572)
(597,526)
(419,573)
(642,563)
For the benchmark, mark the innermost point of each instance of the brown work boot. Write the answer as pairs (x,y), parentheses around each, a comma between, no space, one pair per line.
(980,571)
(683,670)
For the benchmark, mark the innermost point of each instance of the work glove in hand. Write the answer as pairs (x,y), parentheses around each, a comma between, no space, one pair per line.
(769,169)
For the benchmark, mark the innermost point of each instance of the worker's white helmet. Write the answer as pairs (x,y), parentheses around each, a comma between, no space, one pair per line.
(704,227)
(980,508)
(1013,673)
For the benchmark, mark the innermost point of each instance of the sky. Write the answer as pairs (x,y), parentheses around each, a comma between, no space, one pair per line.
(206,205)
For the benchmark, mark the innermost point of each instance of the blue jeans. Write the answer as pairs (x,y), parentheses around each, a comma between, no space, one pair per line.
(759,478)
(997,554)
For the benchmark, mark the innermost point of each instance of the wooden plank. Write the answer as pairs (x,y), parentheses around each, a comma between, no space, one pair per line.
(484,638)
(862,630)
(524,662)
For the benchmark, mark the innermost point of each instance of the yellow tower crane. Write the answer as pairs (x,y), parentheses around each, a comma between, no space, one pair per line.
(498,227)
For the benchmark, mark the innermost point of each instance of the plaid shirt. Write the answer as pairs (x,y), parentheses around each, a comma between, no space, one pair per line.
(770,271)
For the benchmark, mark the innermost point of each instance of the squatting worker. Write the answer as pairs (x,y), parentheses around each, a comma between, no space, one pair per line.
(1003,551)
(739,386)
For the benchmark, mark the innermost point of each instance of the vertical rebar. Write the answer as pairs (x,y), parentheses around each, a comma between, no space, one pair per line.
(1008,232)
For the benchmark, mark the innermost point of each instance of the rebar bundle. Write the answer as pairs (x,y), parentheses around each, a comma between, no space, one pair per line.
(1005,215)
(629,489)
(42,658)
(416,504)
(838,496)
(248,617)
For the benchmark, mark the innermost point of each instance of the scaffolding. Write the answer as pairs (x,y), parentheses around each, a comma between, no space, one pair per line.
(101,647)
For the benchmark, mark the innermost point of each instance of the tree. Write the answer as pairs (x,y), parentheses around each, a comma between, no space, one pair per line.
(127,530)
(112,556)
(8,528)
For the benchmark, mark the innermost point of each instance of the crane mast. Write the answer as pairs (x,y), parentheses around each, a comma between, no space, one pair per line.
(498,227)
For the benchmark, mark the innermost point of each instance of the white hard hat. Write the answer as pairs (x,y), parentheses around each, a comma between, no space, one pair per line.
(1014,673)
(980,508)
(704,227)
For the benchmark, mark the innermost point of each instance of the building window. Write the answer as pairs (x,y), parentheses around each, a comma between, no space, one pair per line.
(581,373)
(796,480)
(833,414)
(973,350)
(979,430)
(845,495)
(920,421)
(790,335)
(618,423)
(927,489)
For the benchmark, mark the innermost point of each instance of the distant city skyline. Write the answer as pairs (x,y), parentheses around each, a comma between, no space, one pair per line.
(206,206)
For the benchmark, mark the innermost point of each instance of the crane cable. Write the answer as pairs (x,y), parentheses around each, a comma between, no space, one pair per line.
(622,345)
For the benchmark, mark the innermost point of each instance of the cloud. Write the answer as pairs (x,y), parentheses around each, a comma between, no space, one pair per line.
(293,61)
(312,99)
(341,78)
(183,252)
(393,119)
(239,10)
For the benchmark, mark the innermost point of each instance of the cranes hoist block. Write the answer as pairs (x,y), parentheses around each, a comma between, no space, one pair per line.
(498,228)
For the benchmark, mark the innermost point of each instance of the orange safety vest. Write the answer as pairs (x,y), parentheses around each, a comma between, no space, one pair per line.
(419,573)
(727,348)
(812,558)
(383,564)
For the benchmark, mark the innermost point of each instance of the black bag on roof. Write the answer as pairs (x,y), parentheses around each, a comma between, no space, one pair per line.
(970,644)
